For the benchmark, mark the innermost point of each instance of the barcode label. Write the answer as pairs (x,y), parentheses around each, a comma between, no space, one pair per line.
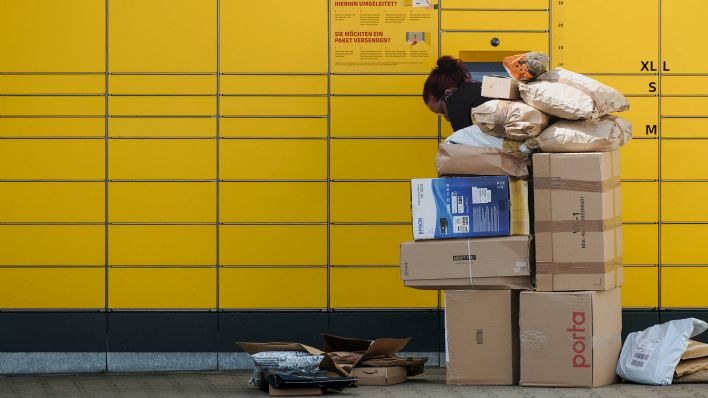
(639,355)
(637,364)
(461,224)
(481,195)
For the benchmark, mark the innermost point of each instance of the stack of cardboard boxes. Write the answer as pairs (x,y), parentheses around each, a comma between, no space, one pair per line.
(537,306)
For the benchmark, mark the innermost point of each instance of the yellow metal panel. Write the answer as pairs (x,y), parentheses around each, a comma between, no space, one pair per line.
(162,288)
(376,288)
(168,106)
(162,202)
(273,127)
(273,159)
(684,85)
(52,202)
(378,84)
(579,45)
(382,159)
(32,245)
(273,84)
(52,287)
(273,106)
(641,243)
(52,106)
(52,127)
(684,287)
(382,117)
(446,128)
(640,160)
(162,36)
(162,84)
(370,202)
(683,244)
(52,159)
(52,36)
(681,27)
(162,127)
(684,106)
(468,45)
(640,201)
(52,84)
(300,39)
(682,127)
(496,4)
(641,287)
(367,244)
(273,244)
(273,287)
(273,202)
(631,85)
(162,245)
(494,20)
(684,159)
(162,159)
(644,116)
(684,201)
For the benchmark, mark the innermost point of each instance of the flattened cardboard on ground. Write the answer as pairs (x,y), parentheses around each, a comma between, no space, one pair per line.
(500,87)
(294,392)
(469,207)
(482,337)
(570,339)
(578,224)
(380,376)
(483,263)
(349,353)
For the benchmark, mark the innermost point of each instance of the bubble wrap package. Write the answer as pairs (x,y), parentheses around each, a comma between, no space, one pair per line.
(283,361)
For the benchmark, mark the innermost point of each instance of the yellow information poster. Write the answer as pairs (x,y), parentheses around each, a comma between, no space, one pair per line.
(384,36)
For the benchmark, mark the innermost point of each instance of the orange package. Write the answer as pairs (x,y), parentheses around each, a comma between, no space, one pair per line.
(526,66)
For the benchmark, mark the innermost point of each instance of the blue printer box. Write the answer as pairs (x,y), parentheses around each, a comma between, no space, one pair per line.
(469,207)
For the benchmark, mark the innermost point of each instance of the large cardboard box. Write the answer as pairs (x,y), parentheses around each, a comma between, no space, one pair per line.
(570,339)
(577,221)
(469,207)
(500,87)
(482,337)
(483,263)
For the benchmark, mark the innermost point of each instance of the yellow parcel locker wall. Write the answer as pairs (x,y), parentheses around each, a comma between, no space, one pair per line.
(220,124)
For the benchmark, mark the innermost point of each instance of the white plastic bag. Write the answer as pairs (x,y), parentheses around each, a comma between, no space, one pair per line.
(473,136)
(283,361)
(651,356)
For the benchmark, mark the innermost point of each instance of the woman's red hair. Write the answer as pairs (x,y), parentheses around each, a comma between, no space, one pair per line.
(450,72)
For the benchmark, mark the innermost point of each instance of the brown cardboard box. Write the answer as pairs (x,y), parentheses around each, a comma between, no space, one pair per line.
(478,263)
(294,392)
(578,225)
(500,87)
(482,337)
(380,376)
(570,339)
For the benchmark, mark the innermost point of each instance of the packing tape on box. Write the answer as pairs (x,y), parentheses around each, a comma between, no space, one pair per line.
(578,225)
(579,267)
(575,185)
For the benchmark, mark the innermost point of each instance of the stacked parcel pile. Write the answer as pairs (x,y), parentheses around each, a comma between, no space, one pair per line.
(499,329)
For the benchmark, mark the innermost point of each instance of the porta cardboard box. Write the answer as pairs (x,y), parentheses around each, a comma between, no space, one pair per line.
(500,87)
(469,207)
(570,339)
(482,337)
(484,263)
(577,221)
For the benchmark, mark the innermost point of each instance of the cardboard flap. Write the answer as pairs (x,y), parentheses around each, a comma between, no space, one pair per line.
(255,348)
(370,348)
(347,344)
